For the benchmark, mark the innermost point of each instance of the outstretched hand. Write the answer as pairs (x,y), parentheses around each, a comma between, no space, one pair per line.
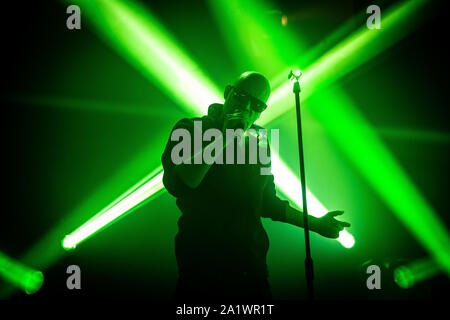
(328,226)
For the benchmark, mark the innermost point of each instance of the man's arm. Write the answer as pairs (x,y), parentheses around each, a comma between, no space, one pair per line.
(192,174)
(189,173)
(326,226)
(280,210)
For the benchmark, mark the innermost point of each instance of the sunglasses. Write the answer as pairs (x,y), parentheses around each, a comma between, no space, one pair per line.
(244,98)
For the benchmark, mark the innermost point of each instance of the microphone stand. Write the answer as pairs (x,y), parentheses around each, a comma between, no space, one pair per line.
(308,260)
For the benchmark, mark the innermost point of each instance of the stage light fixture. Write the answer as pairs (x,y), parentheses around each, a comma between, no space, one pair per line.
(409,275)
(142,191)
(19,275)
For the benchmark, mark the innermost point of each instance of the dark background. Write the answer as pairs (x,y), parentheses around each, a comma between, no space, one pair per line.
(55,157)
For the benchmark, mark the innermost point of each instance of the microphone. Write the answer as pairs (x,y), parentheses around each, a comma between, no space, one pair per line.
(236,120)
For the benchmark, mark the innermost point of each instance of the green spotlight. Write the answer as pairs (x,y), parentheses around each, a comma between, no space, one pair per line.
(409,275)
(347,126)
(286,181)
(255,37)
(144,190)
(19,275)
(243,19)
(348,55)
(290,186)
(47,250)
(135,32)
(144,42)
(346,239)
(350,130)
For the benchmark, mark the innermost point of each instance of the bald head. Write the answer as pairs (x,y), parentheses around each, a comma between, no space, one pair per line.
(254,84)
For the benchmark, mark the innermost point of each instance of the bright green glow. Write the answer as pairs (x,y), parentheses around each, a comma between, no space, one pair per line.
(144,42)
(403,277)
(417,271)
(146,188)
(247,37)
(47,250)
(332,39)
(348,55)
(355,136)
(359,142)
(19,275)
(256,39)
(346,239)
(354,51)
(290,185)
(286,181)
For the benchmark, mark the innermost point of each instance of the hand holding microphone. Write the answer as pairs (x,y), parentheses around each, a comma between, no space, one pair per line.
(236,120)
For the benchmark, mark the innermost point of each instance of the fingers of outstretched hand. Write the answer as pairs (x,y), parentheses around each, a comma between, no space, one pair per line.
(344,224)
(336,213)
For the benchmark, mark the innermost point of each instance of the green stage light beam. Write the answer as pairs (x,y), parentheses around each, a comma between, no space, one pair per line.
(143,190)
(409,275)
(354,51)
(241,26)
(254,44)
(19,275)
(287,182)
(357,49)
(118,7)
(112,213)
(143,33)
(48,249)
(345,57)
(145,44)
(357,139)
(335,37)
(142,29)
(290,186)
(250,41)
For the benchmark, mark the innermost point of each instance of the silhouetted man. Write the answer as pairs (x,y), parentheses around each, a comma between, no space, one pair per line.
(221,245)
